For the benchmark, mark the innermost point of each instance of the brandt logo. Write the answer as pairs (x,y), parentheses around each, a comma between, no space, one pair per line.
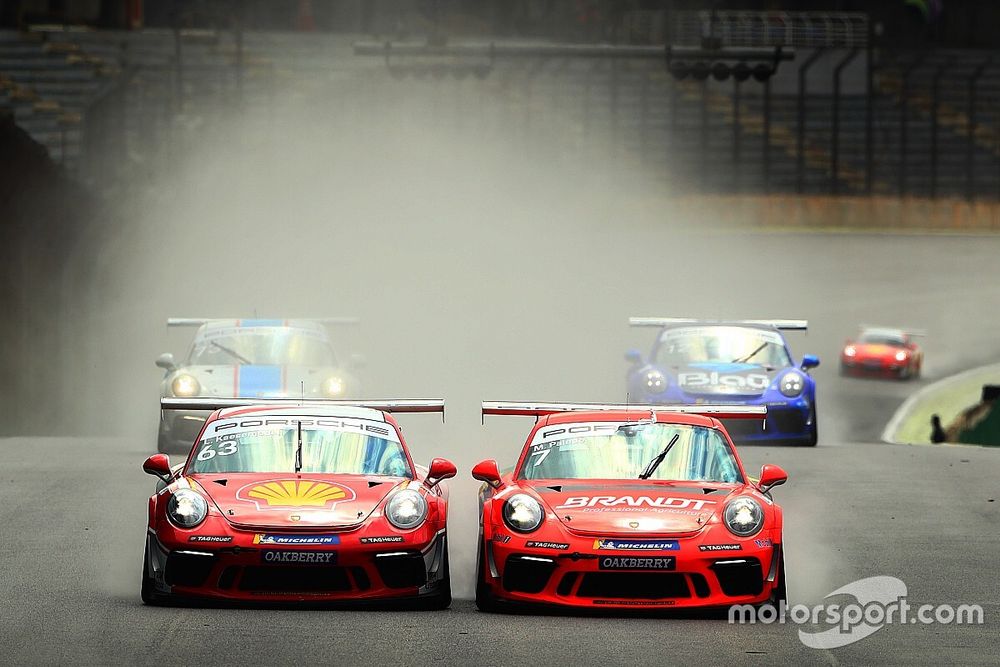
(634,501)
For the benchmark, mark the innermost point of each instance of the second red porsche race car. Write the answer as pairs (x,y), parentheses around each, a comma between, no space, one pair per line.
(883,352)
(290,501)
(622,507)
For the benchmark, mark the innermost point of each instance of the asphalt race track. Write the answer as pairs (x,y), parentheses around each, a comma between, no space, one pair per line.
(69,567)
(72,510)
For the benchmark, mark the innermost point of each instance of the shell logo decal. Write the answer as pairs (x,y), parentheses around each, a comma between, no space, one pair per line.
(284,493)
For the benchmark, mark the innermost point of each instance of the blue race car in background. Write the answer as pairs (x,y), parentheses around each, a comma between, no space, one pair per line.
(742,362)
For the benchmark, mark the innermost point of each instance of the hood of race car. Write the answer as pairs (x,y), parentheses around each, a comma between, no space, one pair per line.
(724,379)
(622,508)
(291,501)
(251,381)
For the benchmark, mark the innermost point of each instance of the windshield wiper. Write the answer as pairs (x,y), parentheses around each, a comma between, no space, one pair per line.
(298,449)
(232,353)
(743,360)
(655,463)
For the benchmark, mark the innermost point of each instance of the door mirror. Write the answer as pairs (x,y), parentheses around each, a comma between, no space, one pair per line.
(771,476)
(166,362)
(633,357)
(487,471)
(809,361)
(440,469)
(159,465)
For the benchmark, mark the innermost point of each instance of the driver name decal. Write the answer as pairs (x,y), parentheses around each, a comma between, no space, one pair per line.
(662,502)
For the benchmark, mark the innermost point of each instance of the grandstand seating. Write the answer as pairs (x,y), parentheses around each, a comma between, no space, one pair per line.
(122,87)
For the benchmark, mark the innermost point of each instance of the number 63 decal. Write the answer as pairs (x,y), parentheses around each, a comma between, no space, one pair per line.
(208,452)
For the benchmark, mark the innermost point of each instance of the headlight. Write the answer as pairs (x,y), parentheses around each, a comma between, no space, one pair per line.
(333,387)
(743,516)
(792,384)
(850,351)
(901,356)
(187,508)
(655,382)
(522,513)
(185,385)
(406,509)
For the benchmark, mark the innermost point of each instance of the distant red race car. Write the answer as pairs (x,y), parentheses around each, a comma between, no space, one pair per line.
(288,501)
(615,507)
(882,352)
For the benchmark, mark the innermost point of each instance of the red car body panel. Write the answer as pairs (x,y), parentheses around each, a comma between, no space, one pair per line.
(632,522)
(881,359)
(286,537)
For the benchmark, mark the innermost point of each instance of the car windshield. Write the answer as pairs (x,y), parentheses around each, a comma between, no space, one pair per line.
(624,450)
(261,346)
(721,344)
(882,338)
(336,446)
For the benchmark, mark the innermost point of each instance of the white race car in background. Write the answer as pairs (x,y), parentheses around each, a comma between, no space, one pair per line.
(252,358)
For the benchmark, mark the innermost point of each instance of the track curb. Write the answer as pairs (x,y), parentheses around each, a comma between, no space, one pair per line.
(909,405)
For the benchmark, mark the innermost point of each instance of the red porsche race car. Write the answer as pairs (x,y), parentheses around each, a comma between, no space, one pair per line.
(289,500)
(883,352)
(625,507)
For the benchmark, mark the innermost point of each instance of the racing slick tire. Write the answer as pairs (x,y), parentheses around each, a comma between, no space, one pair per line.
(442,598)
(813,436)
(484,597)
(780,593)
(147,591)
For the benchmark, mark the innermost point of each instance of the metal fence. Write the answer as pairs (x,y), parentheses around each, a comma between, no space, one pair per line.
(845,120)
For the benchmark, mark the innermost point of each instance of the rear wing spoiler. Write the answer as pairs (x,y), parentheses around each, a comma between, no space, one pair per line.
(906,330)
(523,409)
(198,321)
(784,325)
(385,405)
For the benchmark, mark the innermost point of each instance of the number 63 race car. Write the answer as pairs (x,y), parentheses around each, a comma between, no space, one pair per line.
(623,507)
(290,501)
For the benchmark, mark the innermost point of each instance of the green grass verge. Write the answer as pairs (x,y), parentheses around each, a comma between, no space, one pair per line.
(946,398)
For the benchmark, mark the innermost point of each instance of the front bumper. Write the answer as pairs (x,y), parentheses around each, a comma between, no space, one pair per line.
(787,421)
(577,576)
(346,571)
(873,367)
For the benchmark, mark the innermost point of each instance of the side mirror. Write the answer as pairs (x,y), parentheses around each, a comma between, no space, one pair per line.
(487,471)
(358,361)
(633,357)
(159,465)
(809,361)
(440,470)
(770,477)
(166,362)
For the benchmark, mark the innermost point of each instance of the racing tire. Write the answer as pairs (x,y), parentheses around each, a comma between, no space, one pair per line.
(780,592)
(813,437)
(442,598)
(147,590)
(485,600)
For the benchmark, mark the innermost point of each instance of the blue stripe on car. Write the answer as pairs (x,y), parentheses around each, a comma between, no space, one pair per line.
(261,323)
(259,381)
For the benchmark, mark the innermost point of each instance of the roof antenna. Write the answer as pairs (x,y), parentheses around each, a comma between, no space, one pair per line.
(302,392)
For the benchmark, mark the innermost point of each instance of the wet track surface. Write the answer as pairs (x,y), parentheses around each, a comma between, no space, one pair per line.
(72,510)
